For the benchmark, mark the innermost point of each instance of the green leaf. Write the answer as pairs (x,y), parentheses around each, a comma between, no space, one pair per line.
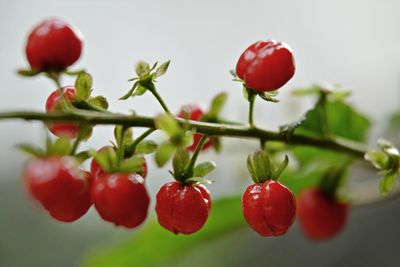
(99,102)
(106,158)
(83,156)
(146,147)
(61,147)
(164,153)
(216,105)
(280,169)
(246,93)
(197,180)
(179,162)
(31,150)
(28,72)
(269,96)
(140,90)
(132,164)
(83,86)
(216,144)
(168,124)
(204,168)
(378,158)
(287,130)
(162,69)
(142,68)
(130,92)
(154,246)
(122,135)
(387,182)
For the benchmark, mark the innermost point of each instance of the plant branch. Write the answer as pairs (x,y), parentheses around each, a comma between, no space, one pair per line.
(160,100)
(216,129)
(130,149)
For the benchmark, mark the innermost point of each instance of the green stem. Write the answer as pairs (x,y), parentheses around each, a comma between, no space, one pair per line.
(252,98)
(121,142)
(217,129)
(76,143)
(196,153)
(160,100)
(130,150)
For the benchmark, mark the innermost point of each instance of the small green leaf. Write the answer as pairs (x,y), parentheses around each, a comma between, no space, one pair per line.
(83,156)
(28,72)
(31,150)
(269,96)
(83,86)
(379,159)
(250,167)
(132,164)
(61,147)
(130,92)
(122,135)
(99,102)
(168,124)
(259,166)
(197,180)
(216,105)
(179,162)
(204,168)
(246,93)
(387,182)
(280,169)
(187,139)
(162,69)
(142,68)
(146,147)
(140,90)
(164,153)
(216,144)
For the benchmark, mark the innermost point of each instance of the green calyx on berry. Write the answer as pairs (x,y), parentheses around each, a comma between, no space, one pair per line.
(261,167)
(387,160)
(185,170)
(332,181)
(145,79)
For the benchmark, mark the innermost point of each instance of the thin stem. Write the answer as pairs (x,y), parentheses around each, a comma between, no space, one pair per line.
(196,153)
(252,98)
(76,143)
(160,100)
(130,150)
(121,142)
(217,129)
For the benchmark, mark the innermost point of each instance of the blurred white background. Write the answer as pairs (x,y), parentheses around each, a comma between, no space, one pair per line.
(353,43)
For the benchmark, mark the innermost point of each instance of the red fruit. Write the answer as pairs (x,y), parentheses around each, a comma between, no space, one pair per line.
(269,208)
(320,217)
(53,45)
(195,113)
(60,186)
(121,198)
(97,171)
(266,65)
(182,208)
(69,130)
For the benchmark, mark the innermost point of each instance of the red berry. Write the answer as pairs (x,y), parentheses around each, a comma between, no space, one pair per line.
(60,129)
(269,208)
(97,171)
(53,45)
(195,113)
(266,65)
(320,217)
(121,198)
(182,208)
(60,186)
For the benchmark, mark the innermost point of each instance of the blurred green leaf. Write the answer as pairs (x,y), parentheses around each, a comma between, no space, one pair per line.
(162,69)
(146,147)
(153,245)
(99,102)
(180,162)
(83,86)
(164,153)
(204,168)
(142,68)
(217,104)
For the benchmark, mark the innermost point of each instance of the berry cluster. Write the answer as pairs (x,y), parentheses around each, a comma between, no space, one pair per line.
(116,183)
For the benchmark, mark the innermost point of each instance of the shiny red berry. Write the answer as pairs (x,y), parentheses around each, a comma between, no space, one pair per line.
(195,113)
(182,209)
(269,208)
(121,198)
(60,186)
(320,217)
(97,171)
(53,45)
(266,65)
(60,129)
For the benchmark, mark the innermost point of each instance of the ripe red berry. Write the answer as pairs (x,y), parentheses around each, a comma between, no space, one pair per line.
(97,171)
(121,198)
(266,65)
(320,217)
(53,45)
(182,208)
(60,129)
(60,186)
(195,113)
(269,208)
